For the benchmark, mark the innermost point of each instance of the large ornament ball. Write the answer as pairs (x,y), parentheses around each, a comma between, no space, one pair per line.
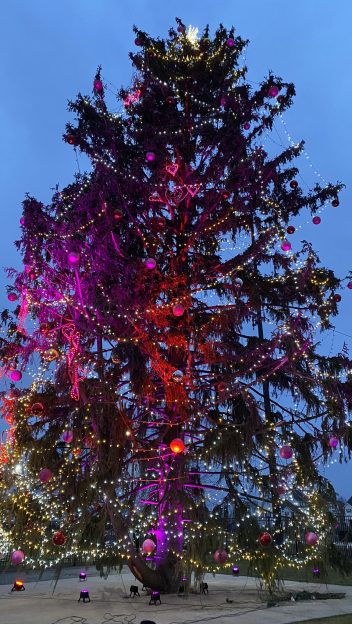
(51,354)
(230,42)
(150,263)
(148,546)
(12,297)
(58,538)
(17,557)
(291,229)
(67,436)
(311,538)
(235,570)
(286,245)
(273,91)
(98,85)
(45,475)
(16,375)
(265,539)
(177,376)
(37,409)
(293,184)
(150,156)
(333,442)
(73,257)
(286,452)
(316,220)
(220,556)
(178,309)
(335,203)
(177,446)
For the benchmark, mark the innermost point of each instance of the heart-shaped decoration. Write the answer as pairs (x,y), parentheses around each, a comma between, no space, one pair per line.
(193,189)
(172,169)
(177,195)
(155,197)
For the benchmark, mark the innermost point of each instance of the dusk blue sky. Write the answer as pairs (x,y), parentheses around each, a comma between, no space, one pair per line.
(50,50)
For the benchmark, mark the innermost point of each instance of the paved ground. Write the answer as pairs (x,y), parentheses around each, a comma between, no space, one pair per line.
(45,603)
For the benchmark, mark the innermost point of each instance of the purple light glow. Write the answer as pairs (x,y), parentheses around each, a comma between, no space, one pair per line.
(73,257)
(150,156)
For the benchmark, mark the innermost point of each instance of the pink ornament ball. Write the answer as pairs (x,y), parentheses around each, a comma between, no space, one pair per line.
(45,475)
(150,263)
(220,556)
(273,91)
(181,29)
(316,220)
(12,296)
(247,125)
(67,436)
(333,442)
(286,452)
(286,245)
(73,257)
(137,41)
(311,538)
(349,285)
(178,309)
(98,85)
(230,42)
(148,546)
(17,557)
(150,156)
(16,375)
(22,221)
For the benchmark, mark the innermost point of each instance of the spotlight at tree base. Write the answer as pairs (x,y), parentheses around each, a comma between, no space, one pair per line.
(265,539)
(150,156)
(235,570)
(17,557)
(273,91)
(67,437)
(82,576)
(18,586)
(154,598)
(73,257)
(286,452)
(311,538)
(177,446)
(16,375)
(178,309)
(12,296)
(148,546)
(58,539)
(316,572)
(220,556)
(177,376)
(45,475)
(150,263)
(37,409)
(333,442)
(50,355)
(84,595)
(286,245)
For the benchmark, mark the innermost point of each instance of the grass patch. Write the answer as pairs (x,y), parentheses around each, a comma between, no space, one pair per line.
(333,619)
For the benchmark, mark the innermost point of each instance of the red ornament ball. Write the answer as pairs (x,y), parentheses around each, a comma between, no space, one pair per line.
(17,557)
(45,475)
(148,546)
(178,309)
(265,539)
(177,446)
(138,41)
(12,297)
(117,215)
(286,452)
(70,139)
(247,125)
(349,285)
(170,100)
(335,203)
(273,91)
(337,298)
(316,220)
(291,229)
(220,556)
(293,184)
(37,409)
(98,85)
(16,375)
(58,538)
(311,538)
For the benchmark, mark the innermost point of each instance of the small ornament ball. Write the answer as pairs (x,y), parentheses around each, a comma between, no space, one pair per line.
(98,85)
(73,257)
(273,91)
(291,229)
(220,556)
(177,376)
(293,184)
(16,375)
(286,452)
(247,125)
(138,41)
(178,309)
(316,220)
(177,446)
(58,538)
(150,263)
(335,203)
(333,442)
(349,285)
(148,546)
(45,475)
(311,538)
(337,298)
(17,557)
(150,156)
(67,436)
(37,409)
(286,245)
(12,297)
(265,539)
(230,42)
(180,29)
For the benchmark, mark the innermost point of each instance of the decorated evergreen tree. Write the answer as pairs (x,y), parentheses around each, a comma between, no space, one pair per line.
(178,395)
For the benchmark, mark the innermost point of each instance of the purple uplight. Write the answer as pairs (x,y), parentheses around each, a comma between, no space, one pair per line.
(82,576)
(235,570)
